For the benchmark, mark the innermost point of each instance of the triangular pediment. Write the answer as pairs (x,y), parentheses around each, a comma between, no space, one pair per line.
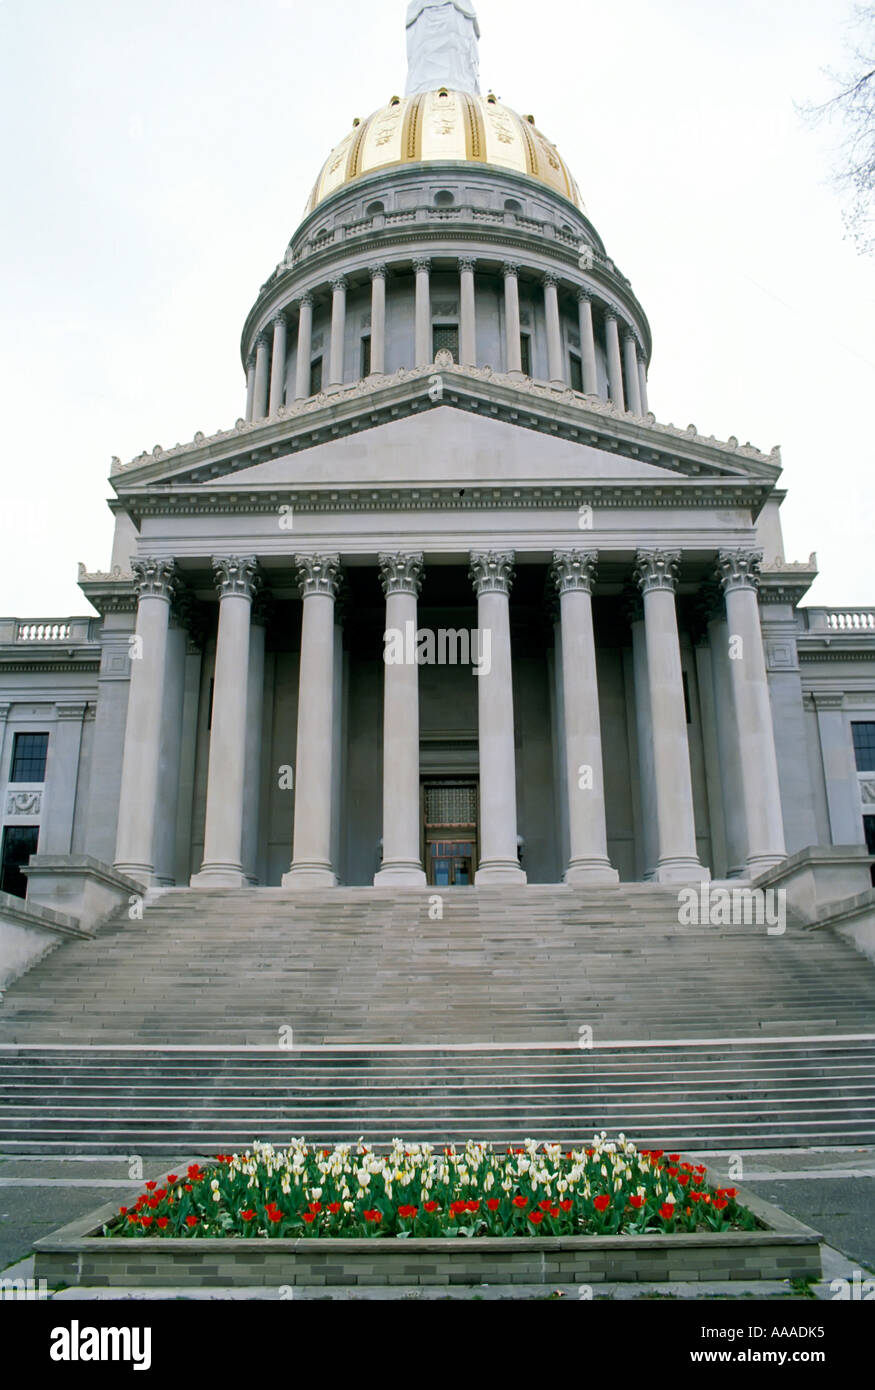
(459,427)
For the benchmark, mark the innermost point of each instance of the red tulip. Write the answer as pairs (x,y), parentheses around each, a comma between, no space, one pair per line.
(536,1217)
(566,1204)
(163,1222)
(521,1201)
(308,1216)
(373,1215)
(602,1203)
(407,1213)
(334,1208)
(172,1178)
(430,1207)
(636,1202)
(191,1221)
(248,1214)
(666,1211)
(493,1203)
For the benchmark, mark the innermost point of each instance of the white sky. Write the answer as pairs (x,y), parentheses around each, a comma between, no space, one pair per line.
(156,158)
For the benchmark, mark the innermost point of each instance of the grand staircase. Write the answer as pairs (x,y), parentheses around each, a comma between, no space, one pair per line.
(545,1012)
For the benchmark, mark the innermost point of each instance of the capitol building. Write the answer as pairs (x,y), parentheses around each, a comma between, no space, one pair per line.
(448,604)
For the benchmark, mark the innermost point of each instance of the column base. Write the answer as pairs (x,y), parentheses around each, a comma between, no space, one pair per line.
(310,876)
(499,871)
(760,863)
(681,871)
(402,871)
(218,876)
(584,871)
(143,873)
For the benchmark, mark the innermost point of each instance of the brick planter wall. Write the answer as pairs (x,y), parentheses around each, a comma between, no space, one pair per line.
(78,1255)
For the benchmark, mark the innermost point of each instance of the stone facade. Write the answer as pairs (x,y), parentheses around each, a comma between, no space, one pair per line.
(446,435)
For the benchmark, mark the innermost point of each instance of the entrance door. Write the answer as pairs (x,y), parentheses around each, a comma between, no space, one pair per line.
(449,820)
(19,843)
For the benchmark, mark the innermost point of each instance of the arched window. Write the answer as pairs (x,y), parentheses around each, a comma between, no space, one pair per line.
(444,199)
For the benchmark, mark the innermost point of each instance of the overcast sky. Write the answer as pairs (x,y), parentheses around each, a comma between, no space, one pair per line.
(157,157)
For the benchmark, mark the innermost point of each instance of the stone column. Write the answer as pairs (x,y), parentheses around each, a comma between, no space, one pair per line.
(254,719)
(319,577)
(513,348)
(644,735)
(135,840)
(423,354)
(338,330)
(839,769)
(587,343)
(574,574)
(62,778)
(615,366)
(727,747)
(633,389)
(262,373)
(642,380)
(555,357)
(738,573)
(278,363)
(250,385)
(378,320)
(171,744)
(467,313)
(656,572)
(305,341)
(401,577)
(237,581)
(492,575)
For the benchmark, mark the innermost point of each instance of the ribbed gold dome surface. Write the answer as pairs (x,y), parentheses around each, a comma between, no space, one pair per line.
(444,125)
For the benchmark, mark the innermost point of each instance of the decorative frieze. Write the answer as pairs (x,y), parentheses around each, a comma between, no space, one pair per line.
(574,569)
(657,569)
(318,574)
(492,571)
(24,803)
(401,574)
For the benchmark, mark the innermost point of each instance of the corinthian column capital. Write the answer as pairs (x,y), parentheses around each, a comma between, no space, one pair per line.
(236,574)
(154,578)
(401,574)
(739,569)
(574,569)
(491,571)
(318,574)
(657,569)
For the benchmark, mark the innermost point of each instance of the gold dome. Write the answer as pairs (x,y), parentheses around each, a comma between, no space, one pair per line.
(444,125)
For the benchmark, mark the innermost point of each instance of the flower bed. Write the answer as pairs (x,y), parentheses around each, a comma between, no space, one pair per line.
(609,1188)
(418,1216)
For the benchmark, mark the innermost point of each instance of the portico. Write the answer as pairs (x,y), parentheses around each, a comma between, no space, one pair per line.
(514,710)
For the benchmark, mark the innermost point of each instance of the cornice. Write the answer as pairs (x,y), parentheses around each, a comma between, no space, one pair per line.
(266,499)
(76,662)
(533,405)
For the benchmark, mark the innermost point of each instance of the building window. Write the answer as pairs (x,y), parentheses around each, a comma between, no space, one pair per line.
(864,745)
(29,758)
(446,336)
(526,353)
(366,355)
(575,371)
(19,843)
(315,376)
(444,199)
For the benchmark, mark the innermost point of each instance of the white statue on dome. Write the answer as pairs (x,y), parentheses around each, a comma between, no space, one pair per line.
(442,46)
